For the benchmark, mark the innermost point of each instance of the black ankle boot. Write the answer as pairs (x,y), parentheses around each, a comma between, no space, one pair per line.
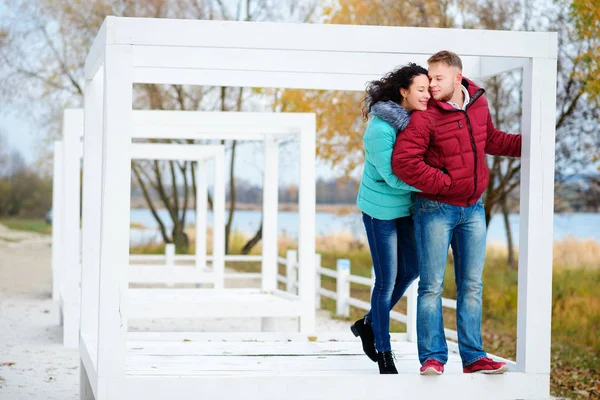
(365,331)
(386,363)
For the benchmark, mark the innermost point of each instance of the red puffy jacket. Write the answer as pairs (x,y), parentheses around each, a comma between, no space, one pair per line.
(442,150)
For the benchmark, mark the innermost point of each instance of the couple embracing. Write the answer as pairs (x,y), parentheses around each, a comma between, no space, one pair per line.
(420,194)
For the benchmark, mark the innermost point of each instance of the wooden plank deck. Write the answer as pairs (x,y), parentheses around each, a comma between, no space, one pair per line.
(271,365)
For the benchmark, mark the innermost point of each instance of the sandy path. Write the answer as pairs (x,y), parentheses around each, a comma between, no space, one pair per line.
(31,338)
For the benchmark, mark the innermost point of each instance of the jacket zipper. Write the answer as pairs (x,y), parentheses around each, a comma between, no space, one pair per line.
(475,96)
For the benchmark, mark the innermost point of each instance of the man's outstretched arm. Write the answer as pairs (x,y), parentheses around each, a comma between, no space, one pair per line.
(408,161)
(500,143)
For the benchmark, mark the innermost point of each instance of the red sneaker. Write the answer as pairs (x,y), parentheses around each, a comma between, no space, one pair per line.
(432,367)
(486,366)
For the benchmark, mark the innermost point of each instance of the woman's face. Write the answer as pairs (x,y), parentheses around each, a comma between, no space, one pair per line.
(417,95)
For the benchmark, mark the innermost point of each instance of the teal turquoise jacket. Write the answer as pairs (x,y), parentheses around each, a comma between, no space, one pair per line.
(381,194)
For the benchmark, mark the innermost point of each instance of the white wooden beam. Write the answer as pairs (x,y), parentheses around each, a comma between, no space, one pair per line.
(492,66)
(170,151)
(537,211)
(114,243)
(57,205)
(306,230)
(91,210)
(219,250)
(71,271)
(331,37)
(95,57)
(269,222)
(154,60)
(201,214)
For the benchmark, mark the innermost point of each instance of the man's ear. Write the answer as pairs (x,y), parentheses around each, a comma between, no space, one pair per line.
(459,78)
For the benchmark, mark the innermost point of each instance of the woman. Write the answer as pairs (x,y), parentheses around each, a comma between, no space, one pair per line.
(385,202)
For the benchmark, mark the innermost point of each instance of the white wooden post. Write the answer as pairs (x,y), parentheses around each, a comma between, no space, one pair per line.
(201,216)
(91,211)
(291,260)
(270,208)
(170,263)
(318,281)
(537,211)
(306,231)
(343,287)
(411,312)
(57,204)
(114,243)
(71,237)
(218,250)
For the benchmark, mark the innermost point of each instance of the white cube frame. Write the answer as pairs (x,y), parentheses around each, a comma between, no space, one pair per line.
(343,57)
(198,273)
(173,125)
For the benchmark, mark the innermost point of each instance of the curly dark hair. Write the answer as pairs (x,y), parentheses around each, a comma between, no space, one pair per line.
(388,87)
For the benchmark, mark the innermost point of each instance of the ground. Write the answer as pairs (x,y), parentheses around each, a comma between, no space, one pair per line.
(33,362)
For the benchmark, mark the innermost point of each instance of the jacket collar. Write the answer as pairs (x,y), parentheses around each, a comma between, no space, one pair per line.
(391,113)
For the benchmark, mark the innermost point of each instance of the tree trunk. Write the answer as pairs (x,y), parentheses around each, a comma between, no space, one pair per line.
(511,251)
(254,241)
(181,239)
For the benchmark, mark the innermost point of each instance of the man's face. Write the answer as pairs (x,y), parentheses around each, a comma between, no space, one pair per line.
(443,80)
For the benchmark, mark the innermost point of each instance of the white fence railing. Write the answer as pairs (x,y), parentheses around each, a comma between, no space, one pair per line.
(343,295)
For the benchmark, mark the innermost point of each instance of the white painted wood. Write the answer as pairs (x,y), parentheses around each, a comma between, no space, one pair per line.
(343,287)
(537,209)
(269,215)
(493,66)
(114,238)
(317,281)
(267,324)
(71,275)
(251,337)
(290,271)
(306,231)
(191,257)
(85,389)
(330,37)
(208,303)
(57,205)
(209,122)
(411,311)
(218,250)
(201,214)
(88,351)
(172,151)
(351,385)
(177,274)
(91,210)
(169,264)
(282,60)
(95,57)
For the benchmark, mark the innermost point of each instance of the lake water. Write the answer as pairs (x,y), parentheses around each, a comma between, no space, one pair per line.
(580,226)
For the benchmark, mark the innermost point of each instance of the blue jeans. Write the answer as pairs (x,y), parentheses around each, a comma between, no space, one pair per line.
(394,255)
(438,226)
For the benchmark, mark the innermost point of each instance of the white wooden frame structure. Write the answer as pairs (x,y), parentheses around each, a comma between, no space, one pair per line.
(170,125)
(198,273)
(343,57)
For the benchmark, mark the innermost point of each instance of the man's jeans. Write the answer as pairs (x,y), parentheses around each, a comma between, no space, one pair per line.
(438,226)
(394,255)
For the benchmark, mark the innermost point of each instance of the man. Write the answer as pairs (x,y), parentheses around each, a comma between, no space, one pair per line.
(442,153)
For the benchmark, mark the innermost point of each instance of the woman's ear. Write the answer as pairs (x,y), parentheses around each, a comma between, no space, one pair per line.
(403,93)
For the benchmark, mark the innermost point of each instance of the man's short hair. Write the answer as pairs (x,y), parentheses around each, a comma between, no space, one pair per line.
(447,57)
